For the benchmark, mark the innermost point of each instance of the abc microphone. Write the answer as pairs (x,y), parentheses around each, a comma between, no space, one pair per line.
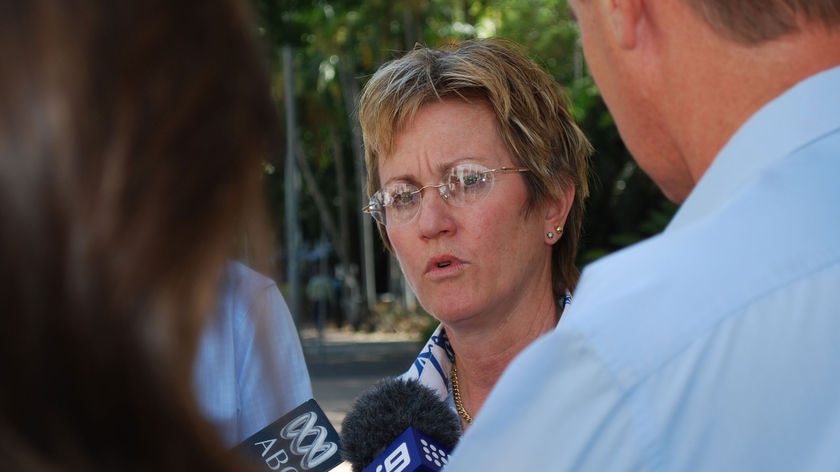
(399,425)
(301,440)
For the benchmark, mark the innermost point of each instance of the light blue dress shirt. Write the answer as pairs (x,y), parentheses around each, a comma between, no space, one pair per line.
(714,346)
(250,368)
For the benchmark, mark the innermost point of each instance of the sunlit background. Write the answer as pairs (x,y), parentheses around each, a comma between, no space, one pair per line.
(322,52)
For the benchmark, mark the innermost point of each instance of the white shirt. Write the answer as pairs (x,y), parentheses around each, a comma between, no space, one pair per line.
(714,346)
(250,368)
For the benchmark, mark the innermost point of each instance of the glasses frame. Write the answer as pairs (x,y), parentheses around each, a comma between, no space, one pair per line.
(376,209)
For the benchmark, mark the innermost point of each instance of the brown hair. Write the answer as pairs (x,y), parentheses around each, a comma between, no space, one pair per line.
(756,21)
(131,137)
(532,113)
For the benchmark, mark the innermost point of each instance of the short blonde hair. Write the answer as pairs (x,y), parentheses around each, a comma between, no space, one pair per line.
(532,113)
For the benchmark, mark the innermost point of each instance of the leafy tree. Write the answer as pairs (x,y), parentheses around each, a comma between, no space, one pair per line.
(339,43)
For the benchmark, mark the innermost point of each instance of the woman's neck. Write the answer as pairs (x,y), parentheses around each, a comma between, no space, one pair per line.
(482,353)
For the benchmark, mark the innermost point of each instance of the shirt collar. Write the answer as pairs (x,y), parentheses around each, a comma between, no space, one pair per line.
(800,115)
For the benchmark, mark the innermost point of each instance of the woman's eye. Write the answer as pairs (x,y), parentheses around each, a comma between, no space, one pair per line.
(467,176)
(403,199)
(470,179)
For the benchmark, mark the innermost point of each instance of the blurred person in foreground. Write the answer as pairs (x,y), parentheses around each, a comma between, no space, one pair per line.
(715,345)
(131,141)
(250,369)
(478,176)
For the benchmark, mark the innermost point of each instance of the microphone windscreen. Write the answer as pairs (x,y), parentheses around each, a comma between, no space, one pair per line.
(381,414)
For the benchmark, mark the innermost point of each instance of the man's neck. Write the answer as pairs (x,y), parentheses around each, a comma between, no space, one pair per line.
(706,115)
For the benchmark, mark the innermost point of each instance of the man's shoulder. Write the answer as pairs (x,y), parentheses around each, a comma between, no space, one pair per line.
(242,279)
(630,309)
(246,294)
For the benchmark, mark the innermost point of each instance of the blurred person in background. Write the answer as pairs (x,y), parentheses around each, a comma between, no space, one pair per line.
(478,176)
(131,141)
(250,369)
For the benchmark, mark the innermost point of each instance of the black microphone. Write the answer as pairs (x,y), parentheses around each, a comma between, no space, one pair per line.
(401,425)
(301,440)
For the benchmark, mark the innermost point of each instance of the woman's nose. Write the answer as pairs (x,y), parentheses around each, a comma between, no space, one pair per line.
(435,214)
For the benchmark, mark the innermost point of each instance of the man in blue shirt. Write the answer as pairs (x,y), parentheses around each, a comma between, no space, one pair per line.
(715,345)
(250,369)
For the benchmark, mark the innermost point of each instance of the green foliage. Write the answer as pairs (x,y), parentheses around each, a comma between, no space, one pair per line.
(349,39)
(625,205)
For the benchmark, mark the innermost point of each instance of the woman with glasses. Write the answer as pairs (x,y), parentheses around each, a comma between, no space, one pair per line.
(478,176)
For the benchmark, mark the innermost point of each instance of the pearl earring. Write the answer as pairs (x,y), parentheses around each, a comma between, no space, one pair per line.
(550,235)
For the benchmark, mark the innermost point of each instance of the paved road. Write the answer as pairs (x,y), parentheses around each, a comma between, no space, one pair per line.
(344,365)
(347,364)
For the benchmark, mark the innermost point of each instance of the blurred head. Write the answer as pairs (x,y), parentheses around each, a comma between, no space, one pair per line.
(131,137)
(529,110)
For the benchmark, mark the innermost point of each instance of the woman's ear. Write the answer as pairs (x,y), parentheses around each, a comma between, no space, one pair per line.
(556,213)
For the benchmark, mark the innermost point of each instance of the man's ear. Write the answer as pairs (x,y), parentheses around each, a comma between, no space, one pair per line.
(624,17)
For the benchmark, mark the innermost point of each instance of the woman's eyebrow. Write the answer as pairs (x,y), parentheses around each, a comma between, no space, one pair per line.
(441,169)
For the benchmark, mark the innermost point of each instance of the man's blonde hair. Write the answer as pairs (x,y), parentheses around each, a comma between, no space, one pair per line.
(756,21)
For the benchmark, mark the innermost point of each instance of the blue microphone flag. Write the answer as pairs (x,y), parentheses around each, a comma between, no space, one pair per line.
(412,451)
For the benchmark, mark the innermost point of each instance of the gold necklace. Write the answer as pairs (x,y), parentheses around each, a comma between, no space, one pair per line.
(456,392)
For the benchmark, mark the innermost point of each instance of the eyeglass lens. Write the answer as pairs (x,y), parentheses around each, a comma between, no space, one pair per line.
(397,203)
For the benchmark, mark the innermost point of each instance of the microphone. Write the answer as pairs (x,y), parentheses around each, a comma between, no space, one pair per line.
(399,425)
(301,440)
